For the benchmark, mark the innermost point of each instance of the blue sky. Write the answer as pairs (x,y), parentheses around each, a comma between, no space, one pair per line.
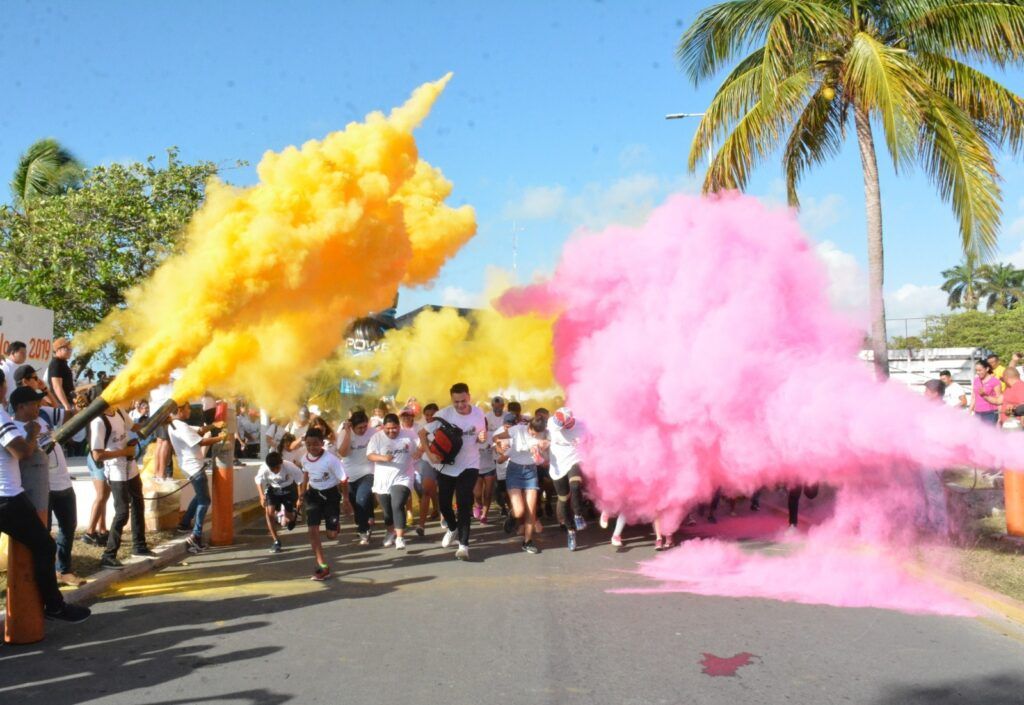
(554,119)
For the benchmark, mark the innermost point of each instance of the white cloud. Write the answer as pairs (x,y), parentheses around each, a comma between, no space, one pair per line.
(915,301)
(817,215)
(847,288)
(460,298)
(1017,258)
(537,203)
(635,156)
(625,201)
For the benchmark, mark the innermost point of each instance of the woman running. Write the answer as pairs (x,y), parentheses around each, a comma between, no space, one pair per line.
(565,434)
(428,480)
(392,454)
(354,437)
(524,453)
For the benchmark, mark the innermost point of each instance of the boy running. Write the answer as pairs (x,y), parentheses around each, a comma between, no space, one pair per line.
(278,483)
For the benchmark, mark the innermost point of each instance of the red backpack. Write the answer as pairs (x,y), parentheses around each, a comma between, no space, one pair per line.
(447,441)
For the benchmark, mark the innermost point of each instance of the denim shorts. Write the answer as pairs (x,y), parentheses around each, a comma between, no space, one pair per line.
(95,469)
(427,471)
(521,477)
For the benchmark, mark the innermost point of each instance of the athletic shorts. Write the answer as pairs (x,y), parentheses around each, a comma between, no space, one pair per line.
(521,477)
(161,433)
(543,472)
(286,497)
(427,471)
(489,472)
(323,506)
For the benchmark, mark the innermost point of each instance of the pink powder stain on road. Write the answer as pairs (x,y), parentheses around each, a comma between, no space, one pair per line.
(718,666)
(702,351)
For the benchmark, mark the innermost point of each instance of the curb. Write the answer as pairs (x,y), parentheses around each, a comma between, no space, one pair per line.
(995,602)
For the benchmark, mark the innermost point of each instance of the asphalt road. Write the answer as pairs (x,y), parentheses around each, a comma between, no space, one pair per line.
(239,625)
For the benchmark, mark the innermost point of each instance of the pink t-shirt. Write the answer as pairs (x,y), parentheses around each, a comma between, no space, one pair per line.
(990,387)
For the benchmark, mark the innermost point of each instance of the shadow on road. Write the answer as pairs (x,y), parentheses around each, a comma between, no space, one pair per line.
(1001,689)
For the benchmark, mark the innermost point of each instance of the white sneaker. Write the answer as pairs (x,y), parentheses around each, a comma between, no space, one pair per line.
(604,520)
(449,536)
(389,540)
(364,539)
(462,553)
(400,543)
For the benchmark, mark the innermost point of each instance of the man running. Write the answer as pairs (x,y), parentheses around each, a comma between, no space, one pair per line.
(458,478)
(322,474)
(278,483)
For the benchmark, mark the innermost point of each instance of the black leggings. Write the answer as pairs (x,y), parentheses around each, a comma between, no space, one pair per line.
(810,491)
(569,486)
(461,488)
(20,521)
(392,506)
(501,494)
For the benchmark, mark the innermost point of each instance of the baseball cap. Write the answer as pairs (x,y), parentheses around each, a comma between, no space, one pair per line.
(498,400)
(510,417)
(23,395)
(61,343)
(407,411)
(22,372)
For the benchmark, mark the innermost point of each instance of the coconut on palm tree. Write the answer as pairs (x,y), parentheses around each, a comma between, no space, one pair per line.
(1001,286)
(906,70)
(962,283)
(47,168)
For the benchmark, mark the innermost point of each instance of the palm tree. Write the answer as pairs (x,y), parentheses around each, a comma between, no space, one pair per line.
(962,284)
(1001,286)
(903,67)
(47,168)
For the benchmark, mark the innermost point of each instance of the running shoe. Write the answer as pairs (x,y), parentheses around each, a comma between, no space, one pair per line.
(476,511)
(603,521)
(483,519)
(364,538)
(291,523)
(70,579)
(183,528)
(571,540)
(444,524)
(659,544)
(504,511)
(144,553)
(389,539)
(321,573)
(580,522)
(104,537)
(531,547)
(668,542)
(420,531)
(91,539)
(462,552)
(617,541)
(449,538)
(509,525)
(275,547)
(68,612)
(400,543)
(194,545)
(110,562)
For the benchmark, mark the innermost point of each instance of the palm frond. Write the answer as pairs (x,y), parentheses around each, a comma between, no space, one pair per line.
(980,96)
(974,29)
(737,94)
(817,136)
(45,169)
(956,157)
(722,31)
(757,133)
(885,80)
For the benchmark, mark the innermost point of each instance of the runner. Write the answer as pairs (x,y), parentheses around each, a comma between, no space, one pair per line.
(278,483)
(501,463)
(458,478)
(190,448)
(428,478)
(565,433)
(620,526)
(392,453)
(410,429)
(354,436)
(526,443)
(484,490)
(322,474)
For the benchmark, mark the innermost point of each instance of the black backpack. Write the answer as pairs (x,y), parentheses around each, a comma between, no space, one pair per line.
(447,441)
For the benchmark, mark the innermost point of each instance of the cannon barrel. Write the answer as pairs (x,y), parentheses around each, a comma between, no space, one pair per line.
(158,417)
(79,421)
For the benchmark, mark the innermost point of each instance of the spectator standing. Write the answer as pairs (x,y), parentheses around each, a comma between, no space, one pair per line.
(59,375)
(987,393)
(1012,397)
(998,369)
(248,435)
(16,354)
(955,395)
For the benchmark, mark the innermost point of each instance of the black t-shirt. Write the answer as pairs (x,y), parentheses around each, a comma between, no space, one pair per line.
(61,368)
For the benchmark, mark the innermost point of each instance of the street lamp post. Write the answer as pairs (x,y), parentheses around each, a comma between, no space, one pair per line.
(681,116)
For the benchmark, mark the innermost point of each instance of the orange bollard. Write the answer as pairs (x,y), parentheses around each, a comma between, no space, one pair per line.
(24,623)
(1013,489)
(223,531)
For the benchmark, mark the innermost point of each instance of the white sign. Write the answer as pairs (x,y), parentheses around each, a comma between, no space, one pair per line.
(31,325)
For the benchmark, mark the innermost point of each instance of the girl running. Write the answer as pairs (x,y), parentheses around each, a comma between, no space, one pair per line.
(526,443)
(428,479)
(355,435)
(392,454)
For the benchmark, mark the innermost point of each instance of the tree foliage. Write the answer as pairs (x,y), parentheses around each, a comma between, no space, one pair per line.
(1001,331)
(79,251)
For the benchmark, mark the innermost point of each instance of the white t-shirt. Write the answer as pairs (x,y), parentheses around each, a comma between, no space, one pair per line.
(355,463)
(288,475)
(400,470)
(60,478)
(522,445)
(10,468)
(953,393)
(9,367)
(185,441)
(564,449)
(274,432)
(118,469)
(324,472)
(471,424)
(297,429)
(249,429)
